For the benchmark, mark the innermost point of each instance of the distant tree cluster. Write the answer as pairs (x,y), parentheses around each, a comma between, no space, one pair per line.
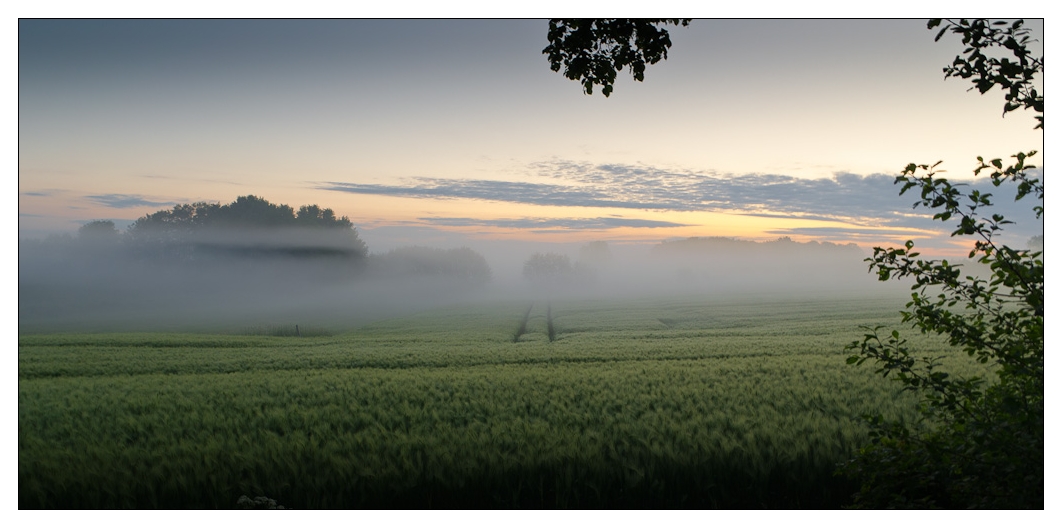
(246,212)
(249,226)
(252,230)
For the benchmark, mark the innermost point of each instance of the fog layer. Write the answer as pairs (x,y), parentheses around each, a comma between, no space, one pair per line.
(243,280)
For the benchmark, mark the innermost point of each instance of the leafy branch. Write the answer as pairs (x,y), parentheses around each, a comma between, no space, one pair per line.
(981,444)
(1015,75)
(591,51)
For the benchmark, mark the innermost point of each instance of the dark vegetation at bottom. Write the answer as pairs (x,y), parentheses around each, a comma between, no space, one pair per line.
(565,486)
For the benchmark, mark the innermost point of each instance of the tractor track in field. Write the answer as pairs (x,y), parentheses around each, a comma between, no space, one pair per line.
(523,324)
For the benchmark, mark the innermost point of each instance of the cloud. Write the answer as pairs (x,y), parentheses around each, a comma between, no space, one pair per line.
(871,201)
(539,224)
(648,188)
(792,216)
(501,191)
(45,192)
(124,201)
(846,233)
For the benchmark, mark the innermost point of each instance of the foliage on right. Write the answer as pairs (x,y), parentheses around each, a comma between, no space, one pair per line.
(980,441)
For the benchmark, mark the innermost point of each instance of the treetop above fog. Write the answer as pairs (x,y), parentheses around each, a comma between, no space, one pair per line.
(249,226)
(246,212)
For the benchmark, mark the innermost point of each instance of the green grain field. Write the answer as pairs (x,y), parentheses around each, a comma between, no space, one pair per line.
(689,403)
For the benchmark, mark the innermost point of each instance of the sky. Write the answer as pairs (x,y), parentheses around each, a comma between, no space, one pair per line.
(438,131)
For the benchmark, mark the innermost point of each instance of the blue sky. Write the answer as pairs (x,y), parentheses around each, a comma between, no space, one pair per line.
(754,129)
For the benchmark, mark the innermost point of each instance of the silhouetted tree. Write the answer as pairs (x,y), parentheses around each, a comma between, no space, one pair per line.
(251,226)
(314,216)
(591,51)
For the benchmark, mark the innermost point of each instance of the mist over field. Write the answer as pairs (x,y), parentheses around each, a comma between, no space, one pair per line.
(248,280)
(634,291)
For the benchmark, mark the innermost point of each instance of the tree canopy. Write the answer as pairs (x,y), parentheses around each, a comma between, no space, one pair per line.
(246,211)
(1016,75)
(592,51)
(249,226)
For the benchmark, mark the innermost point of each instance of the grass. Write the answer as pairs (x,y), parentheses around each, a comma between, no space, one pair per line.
(726,404)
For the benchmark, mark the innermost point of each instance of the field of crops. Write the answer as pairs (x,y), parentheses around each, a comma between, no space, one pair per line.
(694,402)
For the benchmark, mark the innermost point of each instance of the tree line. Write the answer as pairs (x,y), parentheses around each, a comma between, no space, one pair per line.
(254,231)
(250,226)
